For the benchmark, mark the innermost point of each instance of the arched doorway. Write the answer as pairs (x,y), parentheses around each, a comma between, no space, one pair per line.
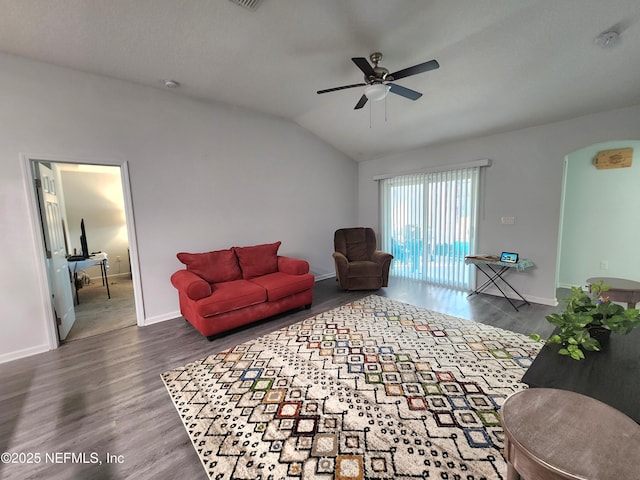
(600,218)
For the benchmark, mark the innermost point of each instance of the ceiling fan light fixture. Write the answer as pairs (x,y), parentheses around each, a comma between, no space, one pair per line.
(376,91)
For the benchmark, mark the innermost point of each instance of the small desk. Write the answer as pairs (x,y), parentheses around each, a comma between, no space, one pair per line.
(494,271)
(560,435)
(96,259)
(620,290)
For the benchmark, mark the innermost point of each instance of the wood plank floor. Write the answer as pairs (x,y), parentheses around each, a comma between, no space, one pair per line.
(103,394)
(96,313)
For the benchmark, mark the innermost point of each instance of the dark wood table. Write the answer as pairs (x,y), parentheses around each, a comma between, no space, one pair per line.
(620,290)
(611,376)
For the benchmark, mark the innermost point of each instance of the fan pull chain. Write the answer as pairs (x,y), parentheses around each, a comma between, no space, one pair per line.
(371,114)
(385,108)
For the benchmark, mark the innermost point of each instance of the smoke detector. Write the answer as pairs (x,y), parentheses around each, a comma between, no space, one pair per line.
(171,84)
(248,4)
(608,39)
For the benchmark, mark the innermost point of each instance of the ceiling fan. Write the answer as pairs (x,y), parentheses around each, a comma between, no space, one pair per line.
(378,80)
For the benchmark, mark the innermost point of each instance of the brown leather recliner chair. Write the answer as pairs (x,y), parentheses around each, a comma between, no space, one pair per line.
(359,265)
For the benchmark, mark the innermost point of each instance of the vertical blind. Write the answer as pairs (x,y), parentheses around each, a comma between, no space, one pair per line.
(429,224)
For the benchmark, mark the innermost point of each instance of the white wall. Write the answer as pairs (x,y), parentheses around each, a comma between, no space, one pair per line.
(525,181)
(600,219)
(202,177)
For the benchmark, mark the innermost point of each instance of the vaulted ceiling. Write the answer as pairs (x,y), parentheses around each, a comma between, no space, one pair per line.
(504,64)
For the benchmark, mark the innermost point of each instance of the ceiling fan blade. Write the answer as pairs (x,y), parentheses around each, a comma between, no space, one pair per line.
(364,65)
(361,103)
(421,68)
(341,88)
(404,91)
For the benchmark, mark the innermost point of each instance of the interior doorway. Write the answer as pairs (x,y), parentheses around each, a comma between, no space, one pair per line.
(90,258)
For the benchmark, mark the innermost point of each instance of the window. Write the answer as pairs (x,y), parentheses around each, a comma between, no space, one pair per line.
(429,224)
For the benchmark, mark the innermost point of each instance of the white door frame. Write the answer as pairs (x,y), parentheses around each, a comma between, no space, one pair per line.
(53,218)
(34,214)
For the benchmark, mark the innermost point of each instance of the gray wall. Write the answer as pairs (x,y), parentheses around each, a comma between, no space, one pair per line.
(525,182)
(203,177)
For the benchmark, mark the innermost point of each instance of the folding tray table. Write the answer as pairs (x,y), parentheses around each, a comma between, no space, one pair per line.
(495,270)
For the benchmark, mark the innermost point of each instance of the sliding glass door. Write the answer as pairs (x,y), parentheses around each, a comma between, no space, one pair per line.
(429,225)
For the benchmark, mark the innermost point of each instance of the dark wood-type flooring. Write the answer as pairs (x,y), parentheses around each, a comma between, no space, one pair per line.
(103,395)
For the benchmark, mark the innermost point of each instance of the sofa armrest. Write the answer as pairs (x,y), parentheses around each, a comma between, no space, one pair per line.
(293,266)
(342,268)
(191,285)
(381,257)
(341,258)
(384,260)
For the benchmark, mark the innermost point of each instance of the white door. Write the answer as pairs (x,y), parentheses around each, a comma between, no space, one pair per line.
(58,270)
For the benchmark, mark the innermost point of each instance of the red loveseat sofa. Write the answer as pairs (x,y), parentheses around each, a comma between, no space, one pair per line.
(224,289)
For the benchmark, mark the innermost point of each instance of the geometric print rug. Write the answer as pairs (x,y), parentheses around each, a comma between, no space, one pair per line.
(374,389)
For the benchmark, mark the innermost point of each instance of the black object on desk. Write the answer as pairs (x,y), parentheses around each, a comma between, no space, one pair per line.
(509,257)
(610,376)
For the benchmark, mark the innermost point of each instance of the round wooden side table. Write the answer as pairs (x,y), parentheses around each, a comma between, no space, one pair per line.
(555,434)
(620,290)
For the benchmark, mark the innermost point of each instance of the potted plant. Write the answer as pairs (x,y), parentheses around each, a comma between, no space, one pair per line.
(588,320)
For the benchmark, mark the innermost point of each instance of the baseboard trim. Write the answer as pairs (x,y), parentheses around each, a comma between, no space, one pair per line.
(324,276)
(568,286)
(110,276)
(161,318)
(551,302)
(27,352)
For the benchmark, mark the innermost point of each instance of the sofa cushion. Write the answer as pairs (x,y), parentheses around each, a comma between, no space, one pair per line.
(258,260)
(229,296)
(280,285)
(214,267)
(364,269)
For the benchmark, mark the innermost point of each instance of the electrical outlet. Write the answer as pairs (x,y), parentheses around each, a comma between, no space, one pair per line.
(118,258)
(508,220)
(604,265)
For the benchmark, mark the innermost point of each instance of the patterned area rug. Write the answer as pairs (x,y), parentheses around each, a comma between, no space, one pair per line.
(375,389)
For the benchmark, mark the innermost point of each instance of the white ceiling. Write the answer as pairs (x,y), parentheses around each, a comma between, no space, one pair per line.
(505,64)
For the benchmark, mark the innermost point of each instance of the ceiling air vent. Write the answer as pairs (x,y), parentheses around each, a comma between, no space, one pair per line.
(248,4)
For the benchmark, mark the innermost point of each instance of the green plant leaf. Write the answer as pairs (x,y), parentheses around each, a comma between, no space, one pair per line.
(591,344)
(555,319)
(575,352)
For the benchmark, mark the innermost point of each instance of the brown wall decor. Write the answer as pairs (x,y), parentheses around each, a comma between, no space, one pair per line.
(620,158)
